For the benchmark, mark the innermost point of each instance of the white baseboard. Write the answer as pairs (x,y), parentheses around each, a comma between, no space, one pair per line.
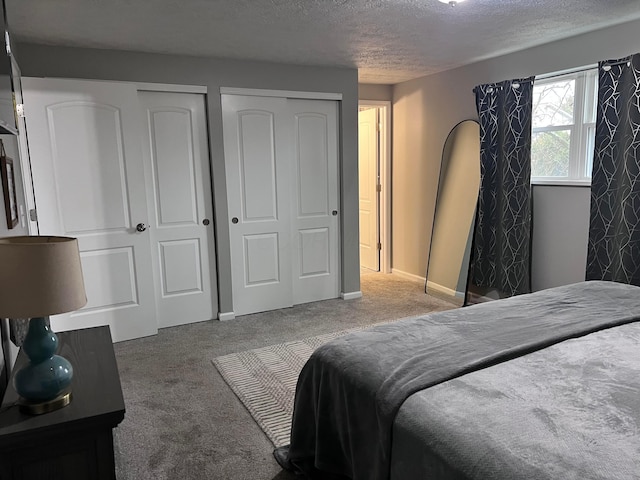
(351,295)
(445,290)
(224,316)
(407,276)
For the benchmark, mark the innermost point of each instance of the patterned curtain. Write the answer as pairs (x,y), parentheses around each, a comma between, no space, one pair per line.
(614,231)
(502,243)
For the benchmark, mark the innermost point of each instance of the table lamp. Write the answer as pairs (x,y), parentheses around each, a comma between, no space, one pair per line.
(41,276)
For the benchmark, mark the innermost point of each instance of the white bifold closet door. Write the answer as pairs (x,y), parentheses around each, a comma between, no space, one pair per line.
(281,160)
(88,167)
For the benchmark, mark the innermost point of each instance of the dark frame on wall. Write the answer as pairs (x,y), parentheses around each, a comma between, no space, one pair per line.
(8,188)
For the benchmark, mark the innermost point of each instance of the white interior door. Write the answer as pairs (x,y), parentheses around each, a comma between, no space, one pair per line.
(368,193)
(258,195)
(84,141)
(314,154)
(176,158)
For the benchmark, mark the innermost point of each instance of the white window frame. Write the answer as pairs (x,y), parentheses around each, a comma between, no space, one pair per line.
(581,137)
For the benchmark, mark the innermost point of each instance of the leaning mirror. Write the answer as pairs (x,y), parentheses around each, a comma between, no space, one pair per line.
(457,197)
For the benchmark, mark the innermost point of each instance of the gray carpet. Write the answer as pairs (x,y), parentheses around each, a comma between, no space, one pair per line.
(184,423)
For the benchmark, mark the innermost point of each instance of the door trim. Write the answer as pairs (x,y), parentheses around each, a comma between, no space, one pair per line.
(384,109)
(170,88)
(256,92)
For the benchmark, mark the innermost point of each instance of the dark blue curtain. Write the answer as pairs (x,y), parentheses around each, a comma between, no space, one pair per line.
(502,241)
(614,232)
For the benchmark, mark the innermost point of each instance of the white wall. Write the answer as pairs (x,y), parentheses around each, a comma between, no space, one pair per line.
(426,109)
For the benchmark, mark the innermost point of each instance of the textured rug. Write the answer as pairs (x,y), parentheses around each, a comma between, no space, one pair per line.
(264,379)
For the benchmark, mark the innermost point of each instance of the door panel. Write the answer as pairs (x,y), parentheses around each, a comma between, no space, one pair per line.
(261,259)
(180,267)
(257,157)
(311,143)
(314,151)
(315,258)
(86,165)
(368,194)
(78,130)
(258,192)
(176,158)
(170,137)
(114,283)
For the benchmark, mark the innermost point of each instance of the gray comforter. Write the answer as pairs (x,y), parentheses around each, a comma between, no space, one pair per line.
(568,412)
(350,390)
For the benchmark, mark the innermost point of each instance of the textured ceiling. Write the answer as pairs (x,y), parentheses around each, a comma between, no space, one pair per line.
(389,41)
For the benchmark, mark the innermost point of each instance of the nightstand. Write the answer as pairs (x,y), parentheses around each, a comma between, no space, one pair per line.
(75,442)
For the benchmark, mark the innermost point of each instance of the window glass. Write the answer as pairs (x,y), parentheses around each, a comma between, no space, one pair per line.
(550,153)
(563,127)
(553,103)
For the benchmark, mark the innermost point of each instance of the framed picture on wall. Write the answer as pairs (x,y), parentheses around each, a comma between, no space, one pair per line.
(8,188)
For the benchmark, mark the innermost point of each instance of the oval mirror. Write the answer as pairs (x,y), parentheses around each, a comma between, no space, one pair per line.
(454,219)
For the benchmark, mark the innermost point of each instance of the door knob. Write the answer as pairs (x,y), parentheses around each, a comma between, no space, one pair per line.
(141,227)
(334,213)
(234,220)
(205,222)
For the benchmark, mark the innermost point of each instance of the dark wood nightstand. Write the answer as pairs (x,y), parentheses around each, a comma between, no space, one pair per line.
(75,442)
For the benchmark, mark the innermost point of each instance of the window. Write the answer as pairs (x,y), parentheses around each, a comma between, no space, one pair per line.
(563,133)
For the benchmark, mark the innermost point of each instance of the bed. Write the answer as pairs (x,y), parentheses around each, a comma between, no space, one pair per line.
(540,386)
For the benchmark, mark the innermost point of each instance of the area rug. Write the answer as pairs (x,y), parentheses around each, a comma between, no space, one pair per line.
(265,379)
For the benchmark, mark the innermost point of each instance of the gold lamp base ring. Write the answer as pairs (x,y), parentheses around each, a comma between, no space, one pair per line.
(38,408)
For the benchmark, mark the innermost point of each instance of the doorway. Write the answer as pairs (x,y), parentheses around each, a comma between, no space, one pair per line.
(374,178)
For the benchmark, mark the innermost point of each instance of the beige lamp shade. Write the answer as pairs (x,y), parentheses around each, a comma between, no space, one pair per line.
(40,276)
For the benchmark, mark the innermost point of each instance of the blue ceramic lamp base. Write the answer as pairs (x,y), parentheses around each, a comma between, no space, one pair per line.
(44,383)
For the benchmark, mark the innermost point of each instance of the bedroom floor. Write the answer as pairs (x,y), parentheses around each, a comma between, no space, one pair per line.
(183,421)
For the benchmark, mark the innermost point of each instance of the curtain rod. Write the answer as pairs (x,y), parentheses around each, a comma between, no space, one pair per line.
(586,68)
(607,65)
(515,83)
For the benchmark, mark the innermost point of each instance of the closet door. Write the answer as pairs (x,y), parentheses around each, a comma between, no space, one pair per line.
(258,179)
(281,159)
(84,142)
(176,158)
(314,155)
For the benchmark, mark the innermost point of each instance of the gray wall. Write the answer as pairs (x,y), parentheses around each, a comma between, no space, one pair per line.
(560,233)
(39,60)
(368,91)
(426,109)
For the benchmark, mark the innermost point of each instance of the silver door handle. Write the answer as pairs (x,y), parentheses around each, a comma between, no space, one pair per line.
(141,227)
